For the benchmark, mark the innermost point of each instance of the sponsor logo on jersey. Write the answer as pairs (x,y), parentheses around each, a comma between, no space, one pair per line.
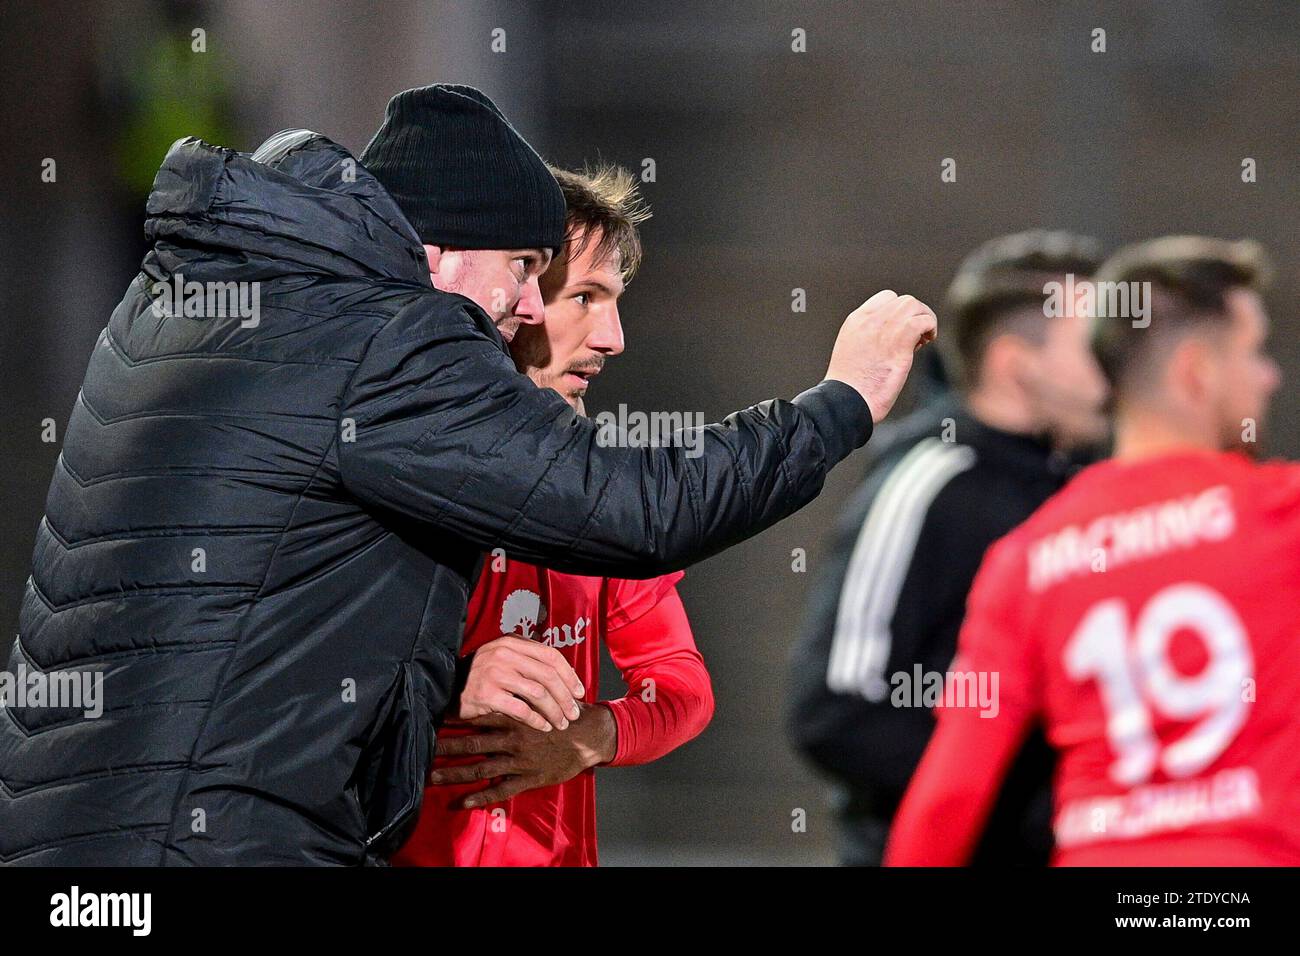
(522,613)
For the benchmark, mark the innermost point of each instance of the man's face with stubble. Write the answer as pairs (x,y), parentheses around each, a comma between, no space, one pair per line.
(581,328)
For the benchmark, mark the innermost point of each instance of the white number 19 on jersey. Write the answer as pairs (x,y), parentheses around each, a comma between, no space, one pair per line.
(1100,650)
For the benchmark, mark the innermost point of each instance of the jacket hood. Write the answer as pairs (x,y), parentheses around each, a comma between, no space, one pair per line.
(300,203)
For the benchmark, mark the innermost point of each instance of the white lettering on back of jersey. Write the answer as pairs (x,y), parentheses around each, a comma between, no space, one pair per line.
(1129,536)
(1229,794)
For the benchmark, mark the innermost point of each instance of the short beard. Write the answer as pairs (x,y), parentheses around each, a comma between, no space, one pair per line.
(549,381)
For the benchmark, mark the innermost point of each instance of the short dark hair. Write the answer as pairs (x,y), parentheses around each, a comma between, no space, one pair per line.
(604,200)
(1003,280)
(1189,278)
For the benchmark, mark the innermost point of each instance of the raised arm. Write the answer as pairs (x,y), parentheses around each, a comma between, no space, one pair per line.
(445,432)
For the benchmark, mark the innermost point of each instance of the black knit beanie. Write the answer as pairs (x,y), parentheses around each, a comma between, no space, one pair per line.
(461,173)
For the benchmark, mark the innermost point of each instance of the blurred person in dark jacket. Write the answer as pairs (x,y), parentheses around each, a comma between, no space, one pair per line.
(943,485)
(297,435)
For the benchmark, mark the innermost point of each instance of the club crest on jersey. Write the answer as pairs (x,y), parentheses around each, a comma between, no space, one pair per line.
(522,612)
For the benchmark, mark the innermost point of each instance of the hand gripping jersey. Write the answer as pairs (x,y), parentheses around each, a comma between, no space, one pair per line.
(649,639)
(1150,612)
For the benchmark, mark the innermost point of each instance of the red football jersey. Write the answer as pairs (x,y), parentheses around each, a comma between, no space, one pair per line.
(1149,615)
(556,825)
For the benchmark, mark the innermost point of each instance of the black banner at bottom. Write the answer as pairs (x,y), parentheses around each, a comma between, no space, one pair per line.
(505,908)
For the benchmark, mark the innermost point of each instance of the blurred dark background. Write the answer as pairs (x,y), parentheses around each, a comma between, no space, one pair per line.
(773,170)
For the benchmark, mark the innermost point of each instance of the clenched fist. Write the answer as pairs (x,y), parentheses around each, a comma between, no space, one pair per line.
(876,344)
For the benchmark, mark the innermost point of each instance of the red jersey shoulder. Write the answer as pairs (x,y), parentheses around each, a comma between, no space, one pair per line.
(1119,512)
(1089,489)
(626,600)
(1275,486)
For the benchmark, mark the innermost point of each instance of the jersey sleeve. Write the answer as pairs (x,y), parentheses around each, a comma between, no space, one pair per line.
(626,600)
(1276,487)
(670,697)
(949,798)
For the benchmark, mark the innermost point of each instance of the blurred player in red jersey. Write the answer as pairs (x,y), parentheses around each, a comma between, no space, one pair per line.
(507,792)
(1149,611)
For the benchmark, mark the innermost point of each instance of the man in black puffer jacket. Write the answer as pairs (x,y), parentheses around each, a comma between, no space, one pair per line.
(262,531)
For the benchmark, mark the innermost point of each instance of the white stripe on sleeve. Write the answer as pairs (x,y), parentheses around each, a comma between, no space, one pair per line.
(878,566)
